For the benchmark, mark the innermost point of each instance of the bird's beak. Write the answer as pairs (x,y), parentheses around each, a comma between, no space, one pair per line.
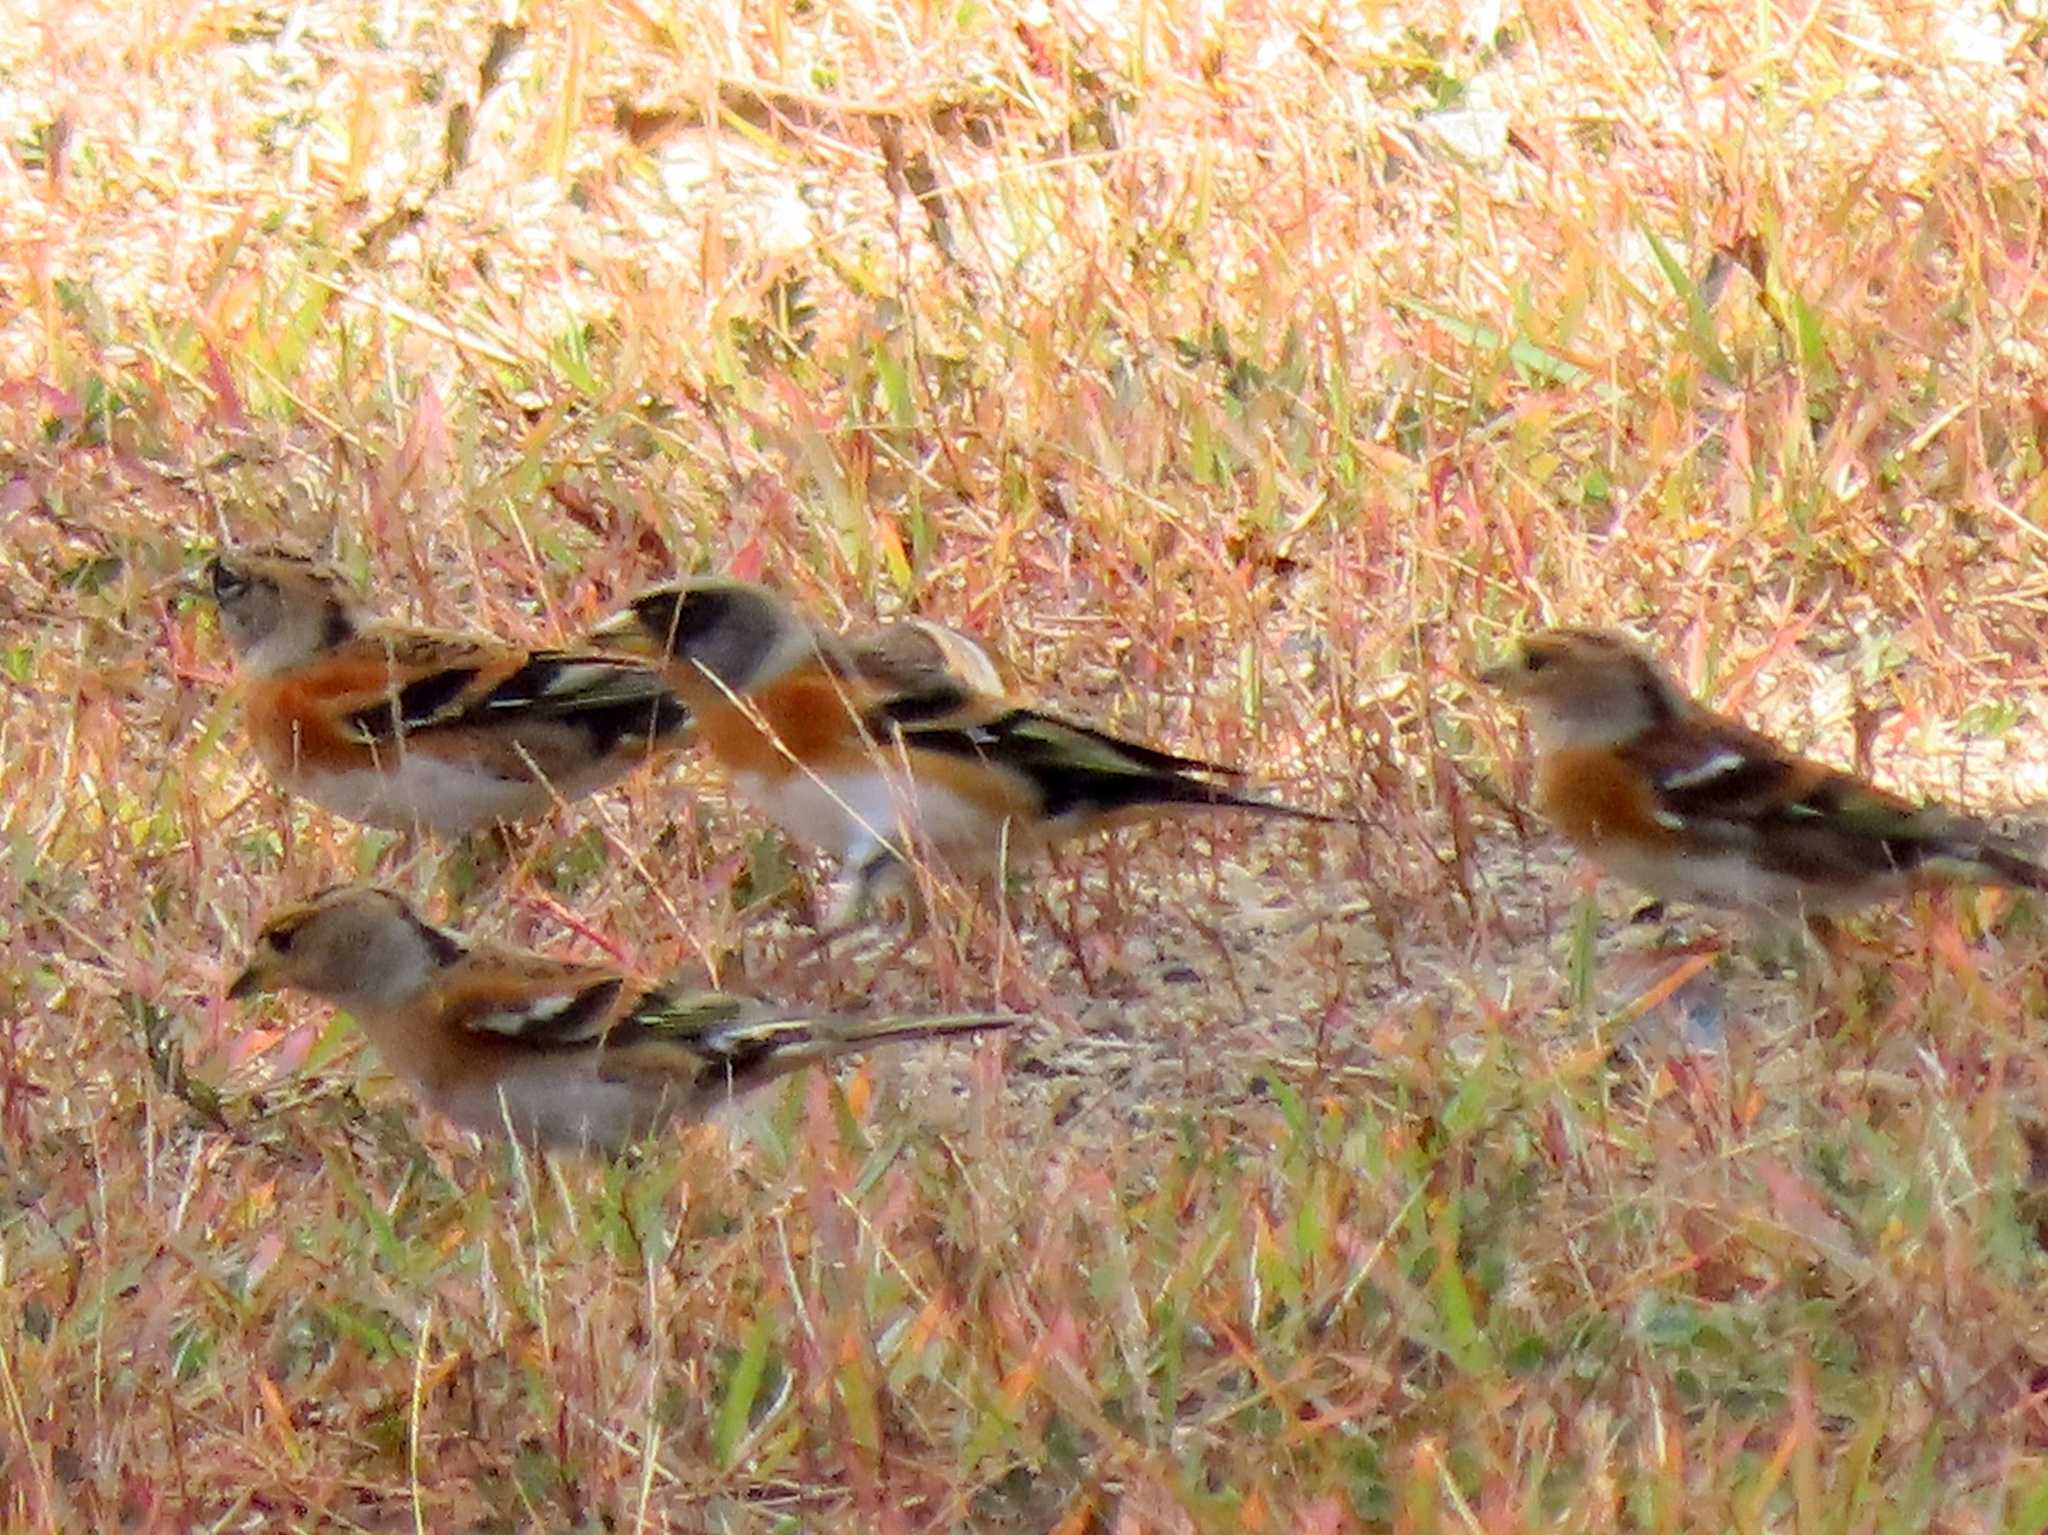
(624,633)
(1509,674)
(253,980)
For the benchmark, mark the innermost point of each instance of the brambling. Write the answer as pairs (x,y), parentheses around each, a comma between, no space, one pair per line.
(402,727)
(1692,806)
(564,1055)
(861,759)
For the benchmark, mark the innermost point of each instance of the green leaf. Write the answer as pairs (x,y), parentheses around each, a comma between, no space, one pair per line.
(2029,1511)
(1807,334)
(1990,719)
(1463,1340)
(1699,314)
(730,1430)
(895,386)
(1579,963)
(1538,363)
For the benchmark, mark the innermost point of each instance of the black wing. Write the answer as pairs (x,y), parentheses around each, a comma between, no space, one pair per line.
(610,700)
(1802,818)
(1078,770)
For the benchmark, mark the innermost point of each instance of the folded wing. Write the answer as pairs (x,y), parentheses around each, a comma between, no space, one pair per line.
(1731,788)
(1074,770)
(443,686)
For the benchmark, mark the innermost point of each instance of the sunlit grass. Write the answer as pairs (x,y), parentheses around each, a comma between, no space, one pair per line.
(1246,375)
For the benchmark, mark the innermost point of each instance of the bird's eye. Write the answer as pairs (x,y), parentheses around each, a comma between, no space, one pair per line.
(281,938)
(228,583)
(1535,661)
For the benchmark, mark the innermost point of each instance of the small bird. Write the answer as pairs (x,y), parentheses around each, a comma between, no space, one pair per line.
(1691,806)
(863,757)
(404,727)
(564,1055)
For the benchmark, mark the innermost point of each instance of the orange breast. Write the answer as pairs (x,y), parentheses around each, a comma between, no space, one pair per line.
(1595,799)
(805,714)
(290,718)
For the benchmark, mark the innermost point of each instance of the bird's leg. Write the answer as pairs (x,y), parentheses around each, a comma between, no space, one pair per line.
(853,902)
(1068,928)
(871,867)
(883,875)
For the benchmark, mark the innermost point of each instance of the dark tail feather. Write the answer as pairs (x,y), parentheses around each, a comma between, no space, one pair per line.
(1280,812)
(1175,790)
(759,1052)
(1152,757)
(859,1033)
(2007,862)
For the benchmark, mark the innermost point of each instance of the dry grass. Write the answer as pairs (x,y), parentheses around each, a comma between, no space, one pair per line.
(1241,371)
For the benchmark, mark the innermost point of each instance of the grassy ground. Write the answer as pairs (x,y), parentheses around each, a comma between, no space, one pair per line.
(1242,372)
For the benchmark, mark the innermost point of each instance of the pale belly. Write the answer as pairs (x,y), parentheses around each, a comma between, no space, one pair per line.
(544,1109)
(447,798)
(857,812)
(1726,880)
